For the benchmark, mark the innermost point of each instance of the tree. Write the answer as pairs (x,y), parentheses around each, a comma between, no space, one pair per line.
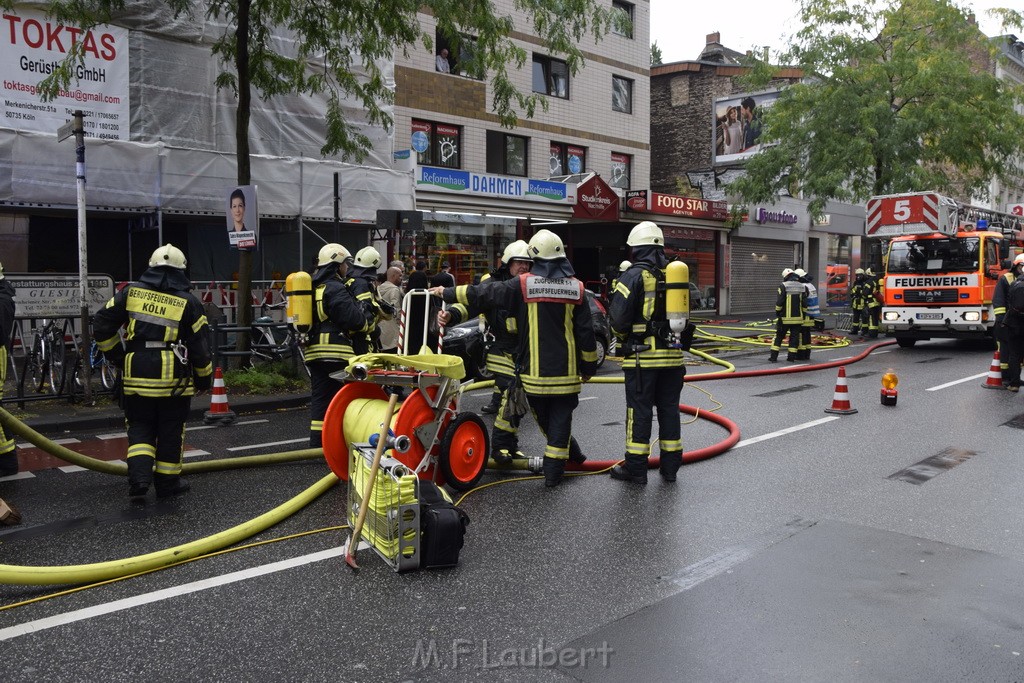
(656,56)
(897,96)
(336,40)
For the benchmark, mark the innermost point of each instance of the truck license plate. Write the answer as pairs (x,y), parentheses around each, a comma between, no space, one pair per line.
(929,316)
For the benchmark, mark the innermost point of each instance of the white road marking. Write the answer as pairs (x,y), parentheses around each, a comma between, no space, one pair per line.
(198,427)
(787,430)
(955,382)
(58,441)
(19,475)
(251,422)
(164,594)
(269,443)
(69,469)
(116,435)
(588,398)
(195,452)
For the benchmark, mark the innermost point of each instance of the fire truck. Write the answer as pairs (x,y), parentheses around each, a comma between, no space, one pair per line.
(942,264)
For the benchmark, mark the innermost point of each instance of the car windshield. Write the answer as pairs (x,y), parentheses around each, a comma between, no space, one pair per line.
(934,255)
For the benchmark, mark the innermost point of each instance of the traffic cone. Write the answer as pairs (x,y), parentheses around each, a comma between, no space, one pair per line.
(219,410)
(841,398)
(995,375)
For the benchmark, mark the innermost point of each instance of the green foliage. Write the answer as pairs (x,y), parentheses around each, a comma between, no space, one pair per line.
(342,48)
(273,378)
(897,96)
(656,56)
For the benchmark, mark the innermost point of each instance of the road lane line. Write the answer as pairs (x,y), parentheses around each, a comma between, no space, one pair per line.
(269,443)
(57,441)
(955,382)
(195,452)
(115,435)
(787,430)
(251,422)
(164,594)
(588,398)
(70,469)
(19,475)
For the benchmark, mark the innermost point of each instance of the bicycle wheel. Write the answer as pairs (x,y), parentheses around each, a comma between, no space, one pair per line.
(35,370)
(108,374)
(58,357)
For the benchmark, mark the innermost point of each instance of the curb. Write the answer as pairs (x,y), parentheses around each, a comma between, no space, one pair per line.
(113,418)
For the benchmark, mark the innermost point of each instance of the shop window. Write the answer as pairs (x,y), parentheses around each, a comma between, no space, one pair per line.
(566,159)
(550,76)
(623,14)
(622,94)
(621,169)
(437,144)
(506,154)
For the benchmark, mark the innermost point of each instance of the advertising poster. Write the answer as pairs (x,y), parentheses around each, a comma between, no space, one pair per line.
(31,47)
(738,123)
(243,217)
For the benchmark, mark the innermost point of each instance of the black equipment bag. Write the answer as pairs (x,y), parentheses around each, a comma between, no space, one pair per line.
(443,525)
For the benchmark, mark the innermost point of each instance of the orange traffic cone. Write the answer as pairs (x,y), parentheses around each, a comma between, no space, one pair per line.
(841,398)
(995,375)
(219,410)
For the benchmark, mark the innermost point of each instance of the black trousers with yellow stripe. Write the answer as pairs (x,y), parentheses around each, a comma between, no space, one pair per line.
(647,390)
(8,451)
(323,388)
(554,416)
(156,436)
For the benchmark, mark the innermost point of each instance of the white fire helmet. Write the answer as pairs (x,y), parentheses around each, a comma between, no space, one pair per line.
(332,252)
(546,246)
(516,250)
(368,257)
(646,233)
(168,255)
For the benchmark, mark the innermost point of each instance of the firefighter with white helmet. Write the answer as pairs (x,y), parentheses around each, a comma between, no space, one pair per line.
(873,299)
(653,366)
(164,360)
(362,281)
(813,314)
(499,361)
(790,311)
(1000,301)
(557,346)
(338,318)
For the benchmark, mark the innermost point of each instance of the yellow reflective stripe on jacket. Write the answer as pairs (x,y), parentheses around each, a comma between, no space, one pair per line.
(550,386)
(570,341)
(461,294)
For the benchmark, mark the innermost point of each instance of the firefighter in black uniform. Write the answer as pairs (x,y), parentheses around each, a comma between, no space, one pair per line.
(362,282)
(653,368)
(790,312)
(8,451)
(873,300)
(999,303)
(338,318)
(550,310)
(859,304)
(165,359)
(501,361)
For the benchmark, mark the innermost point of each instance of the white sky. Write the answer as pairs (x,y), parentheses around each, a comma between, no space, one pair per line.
(680,27)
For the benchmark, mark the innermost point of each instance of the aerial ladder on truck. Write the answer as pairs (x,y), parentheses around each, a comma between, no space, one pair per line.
(942,262)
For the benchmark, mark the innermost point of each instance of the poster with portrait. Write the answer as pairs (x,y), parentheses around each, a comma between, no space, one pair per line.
(737,126)
(243,217)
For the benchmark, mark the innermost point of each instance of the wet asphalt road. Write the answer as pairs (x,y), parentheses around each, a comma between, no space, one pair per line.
(883,545)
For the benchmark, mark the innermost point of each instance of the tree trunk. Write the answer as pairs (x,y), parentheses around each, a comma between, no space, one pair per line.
(244,297)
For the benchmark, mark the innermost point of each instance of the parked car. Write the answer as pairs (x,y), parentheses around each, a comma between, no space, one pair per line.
(466,340)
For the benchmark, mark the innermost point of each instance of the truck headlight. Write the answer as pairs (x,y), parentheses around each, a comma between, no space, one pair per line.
(892,315)
(972,316)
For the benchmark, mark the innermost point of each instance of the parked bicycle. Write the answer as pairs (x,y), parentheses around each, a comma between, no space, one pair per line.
(274,341)
(46,361)
(99,367)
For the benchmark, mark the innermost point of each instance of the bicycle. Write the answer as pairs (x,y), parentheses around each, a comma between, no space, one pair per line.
(98,364)
(47,358)
(274,341)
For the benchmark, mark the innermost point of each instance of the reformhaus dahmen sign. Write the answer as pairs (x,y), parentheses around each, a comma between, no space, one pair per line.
(488,185)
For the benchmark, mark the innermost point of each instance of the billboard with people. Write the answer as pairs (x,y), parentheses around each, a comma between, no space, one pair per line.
(738,124)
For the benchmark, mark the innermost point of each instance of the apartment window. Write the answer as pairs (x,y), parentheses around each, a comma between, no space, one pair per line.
(550,76)
(506,154)
(437,144)
(623,13)
(622,94)
(566,159)
(462,54)
(622,166)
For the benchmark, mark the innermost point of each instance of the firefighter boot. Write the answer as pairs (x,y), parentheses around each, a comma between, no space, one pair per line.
(670,464)
(773,357)
(576,453)
(634,470)
(502,457)
(140,476)
(791,357)
(492,407)
(168,485)
(8,463)
(553,470)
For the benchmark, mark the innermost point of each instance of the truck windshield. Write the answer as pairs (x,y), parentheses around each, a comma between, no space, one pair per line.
(934,256)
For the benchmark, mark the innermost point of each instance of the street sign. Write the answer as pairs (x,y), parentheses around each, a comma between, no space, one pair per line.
(46,295)
(66,131)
